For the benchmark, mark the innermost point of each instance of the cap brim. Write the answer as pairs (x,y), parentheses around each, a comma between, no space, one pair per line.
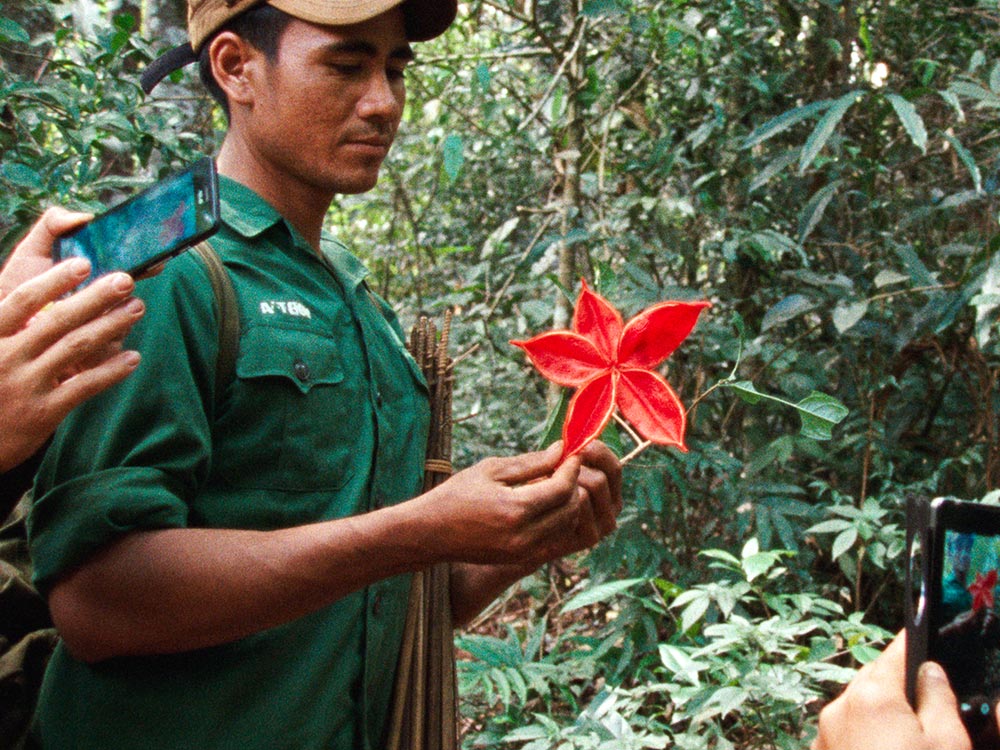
(425,19)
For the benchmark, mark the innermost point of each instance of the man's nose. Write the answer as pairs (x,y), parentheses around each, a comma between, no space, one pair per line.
(382,100)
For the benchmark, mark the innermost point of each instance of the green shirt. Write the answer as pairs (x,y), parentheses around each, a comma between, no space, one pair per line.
(327,417)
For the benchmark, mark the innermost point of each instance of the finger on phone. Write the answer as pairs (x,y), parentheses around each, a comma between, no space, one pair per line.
(77,389)
(93,341)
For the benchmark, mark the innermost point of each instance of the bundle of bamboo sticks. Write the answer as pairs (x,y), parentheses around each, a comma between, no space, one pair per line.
(424,712)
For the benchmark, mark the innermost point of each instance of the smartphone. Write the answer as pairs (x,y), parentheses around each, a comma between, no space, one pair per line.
(150,227)
(954,563)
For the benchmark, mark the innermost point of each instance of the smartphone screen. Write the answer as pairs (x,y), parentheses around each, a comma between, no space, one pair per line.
(965,628)
(150,227)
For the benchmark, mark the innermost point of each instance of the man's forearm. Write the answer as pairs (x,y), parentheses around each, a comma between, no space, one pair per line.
(175,590)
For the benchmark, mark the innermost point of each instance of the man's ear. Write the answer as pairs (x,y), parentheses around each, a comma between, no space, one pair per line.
(235,64)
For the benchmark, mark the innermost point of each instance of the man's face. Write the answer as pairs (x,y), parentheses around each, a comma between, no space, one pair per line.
(327,108)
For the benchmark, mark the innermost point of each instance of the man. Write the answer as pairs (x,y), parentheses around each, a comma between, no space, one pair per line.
(227,562)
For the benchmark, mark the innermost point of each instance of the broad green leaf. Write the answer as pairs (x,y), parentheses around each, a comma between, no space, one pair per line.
(844,541)
(21,175)
(847,314)
(812,214)
(12,31)
(865,654)
(721,554)
(987,302)
(819,414)
(824,129)
(758,564)
(888,277)
(746,391)
(453,156)
(784,121)
(968,160)
(834,525)
(680,663)
(751,548)
(601,592)
(911,119)
(727,699)
(787,309)
(773,168)
(975,91)
(694,612)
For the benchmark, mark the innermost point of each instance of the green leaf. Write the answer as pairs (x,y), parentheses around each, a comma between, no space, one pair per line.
(680,663)
(453,156)
(746,391)
(913,123)
(787,309)
(865,654)
(819,414)
(974,91)
(11,31)
(784,121)
(812,214)
(554,423)
(968,160)
(21,175)
(848,313)
(824,129)
(844,541)
(834,525)
(600,593)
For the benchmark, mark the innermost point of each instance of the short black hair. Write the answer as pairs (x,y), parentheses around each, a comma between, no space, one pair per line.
(261,27)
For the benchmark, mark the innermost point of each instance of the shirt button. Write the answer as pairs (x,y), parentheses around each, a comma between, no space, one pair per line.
(377,604)
(378,398)
(302,370)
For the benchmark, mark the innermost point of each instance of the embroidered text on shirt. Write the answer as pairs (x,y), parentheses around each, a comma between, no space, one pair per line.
(292,307)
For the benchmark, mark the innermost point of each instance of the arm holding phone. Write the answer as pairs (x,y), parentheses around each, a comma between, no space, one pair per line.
(56,353)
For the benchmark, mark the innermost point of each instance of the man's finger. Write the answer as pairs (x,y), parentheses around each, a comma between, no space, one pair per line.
(600,457)
(598,492)
(545,495)
(27,299)
(55,221)
(92,342)
(937,710)
(77,389)
(527,467)
(84,306)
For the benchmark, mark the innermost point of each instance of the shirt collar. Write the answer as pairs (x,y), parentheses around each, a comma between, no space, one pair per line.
(250,215)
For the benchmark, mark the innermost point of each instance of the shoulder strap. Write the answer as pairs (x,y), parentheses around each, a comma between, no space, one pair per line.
(229,316)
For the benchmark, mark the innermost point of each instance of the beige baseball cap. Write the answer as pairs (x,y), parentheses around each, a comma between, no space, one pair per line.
(425,19)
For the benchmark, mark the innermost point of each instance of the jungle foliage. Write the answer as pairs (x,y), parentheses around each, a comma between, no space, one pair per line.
(824,171)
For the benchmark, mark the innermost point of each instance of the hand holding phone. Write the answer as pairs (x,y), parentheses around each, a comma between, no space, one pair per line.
(952,619)
(149,228)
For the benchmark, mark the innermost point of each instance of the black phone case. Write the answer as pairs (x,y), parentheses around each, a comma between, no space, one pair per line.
(926,524)
(208,170)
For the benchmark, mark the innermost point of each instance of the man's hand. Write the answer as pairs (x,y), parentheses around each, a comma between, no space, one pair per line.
(873,711)
(527,509)
(56,353)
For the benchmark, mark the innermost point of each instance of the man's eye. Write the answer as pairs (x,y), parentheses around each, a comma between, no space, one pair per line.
(347,69)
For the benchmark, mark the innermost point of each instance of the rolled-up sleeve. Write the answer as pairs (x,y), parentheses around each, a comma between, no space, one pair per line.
(131,458)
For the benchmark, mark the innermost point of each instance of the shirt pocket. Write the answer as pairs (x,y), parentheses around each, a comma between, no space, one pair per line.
(291,421)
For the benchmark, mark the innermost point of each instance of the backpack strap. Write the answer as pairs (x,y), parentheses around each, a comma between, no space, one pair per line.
(229,316)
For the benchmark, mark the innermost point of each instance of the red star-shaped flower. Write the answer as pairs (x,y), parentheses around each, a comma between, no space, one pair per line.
(982,590)
(610,363)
